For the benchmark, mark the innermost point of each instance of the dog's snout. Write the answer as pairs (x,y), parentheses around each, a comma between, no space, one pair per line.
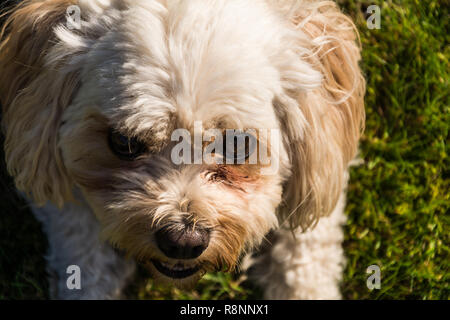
(187,243)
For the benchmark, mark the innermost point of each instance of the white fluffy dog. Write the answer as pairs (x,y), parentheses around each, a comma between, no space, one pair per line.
(88,115)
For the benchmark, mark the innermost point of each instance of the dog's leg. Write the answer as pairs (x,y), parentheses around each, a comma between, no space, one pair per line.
(307,267)
(73,236)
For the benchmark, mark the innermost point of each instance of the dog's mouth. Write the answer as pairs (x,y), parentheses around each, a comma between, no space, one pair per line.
(175,271)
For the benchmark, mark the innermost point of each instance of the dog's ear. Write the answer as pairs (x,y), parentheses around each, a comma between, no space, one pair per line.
(321,126)
(34,91)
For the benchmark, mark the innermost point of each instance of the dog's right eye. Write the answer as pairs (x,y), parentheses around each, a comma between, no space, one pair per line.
(124,147)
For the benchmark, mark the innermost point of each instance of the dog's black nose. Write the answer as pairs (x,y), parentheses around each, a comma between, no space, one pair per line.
(187,243)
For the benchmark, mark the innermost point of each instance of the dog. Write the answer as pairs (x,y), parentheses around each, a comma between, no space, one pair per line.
(90,105)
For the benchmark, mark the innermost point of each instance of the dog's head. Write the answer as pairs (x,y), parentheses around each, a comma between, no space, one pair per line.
(101,104)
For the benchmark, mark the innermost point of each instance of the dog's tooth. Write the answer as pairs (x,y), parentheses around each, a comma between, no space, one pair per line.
(176,267)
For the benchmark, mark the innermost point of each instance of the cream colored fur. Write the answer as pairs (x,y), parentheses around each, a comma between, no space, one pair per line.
(146,68)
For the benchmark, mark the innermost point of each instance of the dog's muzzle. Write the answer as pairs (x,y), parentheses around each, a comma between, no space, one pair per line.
(187,243)
(177,271)
(180,244)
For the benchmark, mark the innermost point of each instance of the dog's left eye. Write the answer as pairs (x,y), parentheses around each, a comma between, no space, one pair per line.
(239,148)
(124,147)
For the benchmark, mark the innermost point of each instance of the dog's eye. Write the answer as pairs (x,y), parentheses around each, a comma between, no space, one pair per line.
(239,148)
(125,148)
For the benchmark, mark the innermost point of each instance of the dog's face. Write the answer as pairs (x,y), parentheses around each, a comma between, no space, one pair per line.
(140,83)
(139,71)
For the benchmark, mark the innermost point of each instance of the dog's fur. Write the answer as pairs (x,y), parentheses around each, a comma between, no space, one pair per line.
(147,67)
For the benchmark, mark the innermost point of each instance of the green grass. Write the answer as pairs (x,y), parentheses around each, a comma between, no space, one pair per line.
(398,199)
